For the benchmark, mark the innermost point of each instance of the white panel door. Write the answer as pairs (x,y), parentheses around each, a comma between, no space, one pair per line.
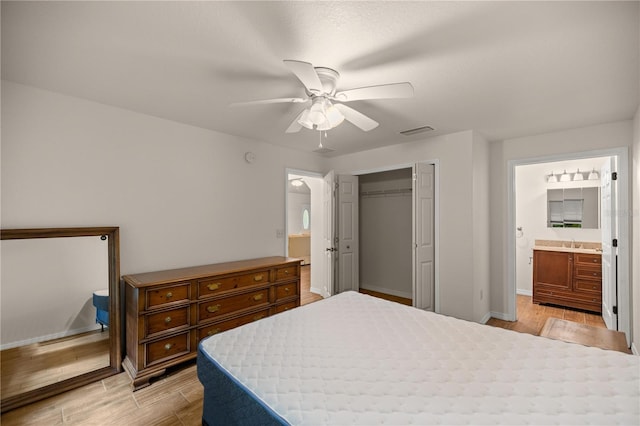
(328,234)
(347,231)
(609,252)
(423,234)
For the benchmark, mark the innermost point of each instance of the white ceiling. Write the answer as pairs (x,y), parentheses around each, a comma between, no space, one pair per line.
(505,69)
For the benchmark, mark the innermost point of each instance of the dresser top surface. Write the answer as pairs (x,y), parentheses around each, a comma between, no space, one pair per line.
(202,271)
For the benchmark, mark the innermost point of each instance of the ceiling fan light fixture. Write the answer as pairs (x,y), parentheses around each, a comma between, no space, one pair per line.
(304,120)
(317,113)
(334,117)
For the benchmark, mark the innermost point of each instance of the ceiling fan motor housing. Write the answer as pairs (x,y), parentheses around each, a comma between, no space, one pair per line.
(329,79)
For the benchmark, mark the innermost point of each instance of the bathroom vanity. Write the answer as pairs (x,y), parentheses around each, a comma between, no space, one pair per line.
(569,274)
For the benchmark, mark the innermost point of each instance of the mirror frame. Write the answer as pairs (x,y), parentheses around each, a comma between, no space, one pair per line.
(115,317)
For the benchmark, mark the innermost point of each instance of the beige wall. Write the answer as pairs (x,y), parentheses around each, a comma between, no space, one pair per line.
(480,209)
(181,195)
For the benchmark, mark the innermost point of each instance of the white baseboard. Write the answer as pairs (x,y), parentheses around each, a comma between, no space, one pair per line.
(486,318)
(48,337)
(499,315)
(386,291)
(316,291)
(634,349)
(524,292)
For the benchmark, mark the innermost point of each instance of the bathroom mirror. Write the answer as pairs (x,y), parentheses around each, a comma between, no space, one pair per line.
(573,208)
(61,320)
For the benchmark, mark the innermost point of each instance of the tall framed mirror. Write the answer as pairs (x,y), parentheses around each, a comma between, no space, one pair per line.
(60,311)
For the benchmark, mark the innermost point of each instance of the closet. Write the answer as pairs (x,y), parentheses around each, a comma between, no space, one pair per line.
(385,227)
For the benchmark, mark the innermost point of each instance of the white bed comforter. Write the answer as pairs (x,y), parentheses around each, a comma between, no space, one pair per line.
(355,359)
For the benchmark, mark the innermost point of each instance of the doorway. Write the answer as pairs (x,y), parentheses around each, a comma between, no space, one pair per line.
(529,194)
(403,199)
(385,212)
(304,222)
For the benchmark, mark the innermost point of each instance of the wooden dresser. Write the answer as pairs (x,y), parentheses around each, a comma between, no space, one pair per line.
(568,279)
(169,312)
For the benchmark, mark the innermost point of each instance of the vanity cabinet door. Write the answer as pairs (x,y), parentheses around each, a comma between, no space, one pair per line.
(552,269)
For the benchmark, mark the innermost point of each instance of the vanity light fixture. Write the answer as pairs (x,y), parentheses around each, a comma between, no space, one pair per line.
(578,175)
(566,177)
(552,178)
(594,175)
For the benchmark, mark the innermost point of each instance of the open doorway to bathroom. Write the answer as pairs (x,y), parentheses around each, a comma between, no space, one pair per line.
(528,195)
(557,203)
(304,229)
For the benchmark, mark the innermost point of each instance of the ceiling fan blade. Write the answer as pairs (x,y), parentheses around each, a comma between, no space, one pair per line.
(306,74)
(358,119)
(295,126)
(383,91)
(270,101)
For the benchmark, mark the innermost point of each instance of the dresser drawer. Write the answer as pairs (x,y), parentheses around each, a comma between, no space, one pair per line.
(214,286)
(226,305)
(287,272)
(167,320)
(286,306)
(158,296)
(587,272)
(284,291)
(232,323)
(165,349)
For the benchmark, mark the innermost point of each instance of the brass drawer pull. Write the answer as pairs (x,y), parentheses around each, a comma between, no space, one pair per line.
(167,320)
(286,272)
(214,331)
(286,289)
(595,274)
(595,260)
(257,278)
(213,308)
(213,286)
(169,295)
(168,346)
(258,317)
(258,297)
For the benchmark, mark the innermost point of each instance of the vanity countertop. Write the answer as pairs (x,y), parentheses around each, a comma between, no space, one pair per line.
(568,246)
(569,249)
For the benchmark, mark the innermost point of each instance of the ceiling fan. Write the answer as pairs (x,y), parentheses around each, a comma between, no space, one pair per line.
(327,108)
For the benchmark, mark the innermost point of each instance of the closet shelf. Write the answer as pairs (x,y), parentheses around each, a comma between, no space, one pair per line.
(385,192)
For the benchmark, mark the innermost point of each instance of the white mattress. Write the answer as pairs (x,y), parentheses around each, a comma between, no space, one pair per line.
(355,359)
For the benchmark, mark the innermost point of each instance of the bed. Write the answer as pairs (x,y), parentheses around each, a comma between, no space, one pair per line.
(353,359)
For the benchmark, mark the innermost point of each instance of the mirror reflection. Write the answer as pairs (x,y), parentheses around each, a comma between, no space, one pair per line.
(57,316)
(573,208)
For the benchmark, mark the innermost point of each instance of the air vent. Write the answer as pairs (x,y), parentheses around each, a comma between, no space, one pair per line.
(417,130)
(323,150)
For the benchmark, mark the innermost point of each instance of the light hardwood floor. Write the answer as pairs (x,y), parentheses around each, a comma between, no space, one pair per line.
(531,317)
(176,399)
